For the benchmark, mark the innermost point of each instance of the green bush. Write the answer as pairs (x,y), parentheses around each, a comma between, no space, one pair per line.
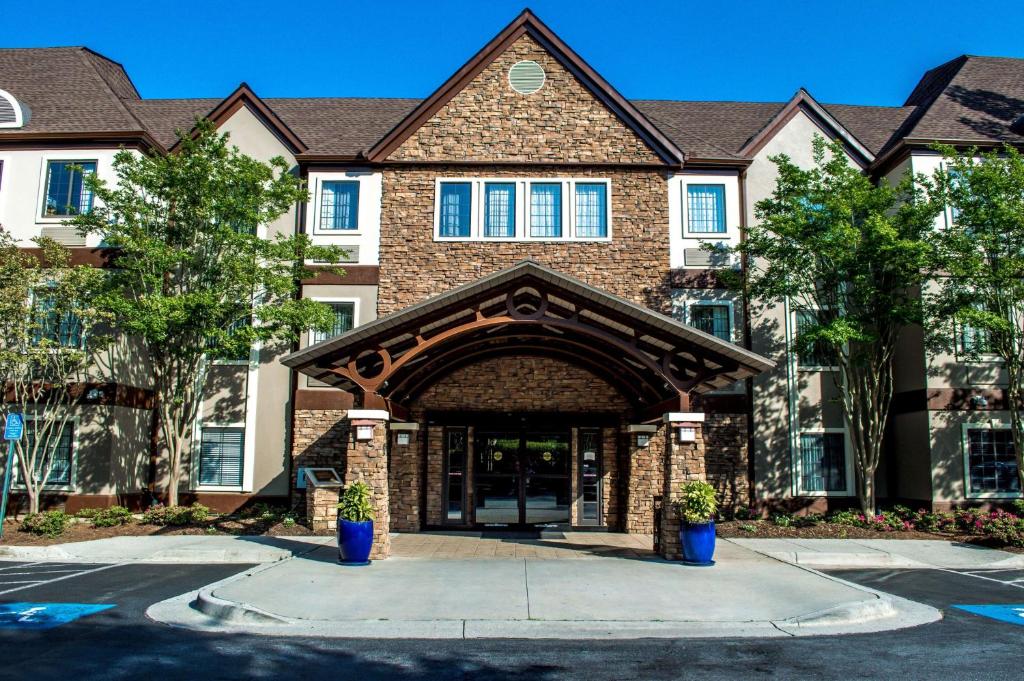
(288,520)
(782,519)
(176,515)
(699,502)
(111,517)
(355,504)
(87,513)
(748,527)
(46,524)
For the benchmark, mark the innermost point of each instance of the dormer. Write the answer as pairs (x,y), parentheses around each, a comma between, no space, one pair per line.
(13,114)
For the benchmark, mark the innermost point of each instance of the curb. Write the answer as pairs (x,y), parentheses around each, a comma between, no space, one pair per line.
(817,559)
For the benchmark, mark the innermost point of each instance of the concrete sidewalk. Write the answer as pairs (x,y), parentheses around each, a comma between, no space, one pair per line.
(883,553)
(171,549)
(745,594)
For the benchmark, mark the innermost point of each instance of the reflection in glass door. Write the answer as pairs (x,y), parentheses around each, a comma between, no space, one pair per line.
(496,478)
(546,477)
(590,476)
(455,475)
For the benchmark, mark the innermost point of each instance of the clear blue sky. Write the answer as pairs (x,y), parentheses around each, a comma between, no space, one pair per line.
(853,51)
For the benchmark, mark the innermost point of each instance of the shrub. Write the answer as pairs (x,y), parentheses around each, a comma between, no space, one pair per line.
(355,504)
(748,527)
(288,521)
(111,517)
(809,520)
(698,503)
(782,519)
(46,524)
(87,513)
(176,515)
(743,513)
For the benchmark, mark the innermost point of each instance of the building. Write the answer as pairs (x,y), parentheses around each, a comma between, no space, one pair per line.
(528,330)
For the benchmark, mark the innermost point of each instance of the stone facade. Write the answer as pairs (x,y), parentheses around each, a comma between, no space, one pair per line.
(322,509)
(646,480)
(404,482)
(684,461)
(727,447)
(320,439)
(367,461)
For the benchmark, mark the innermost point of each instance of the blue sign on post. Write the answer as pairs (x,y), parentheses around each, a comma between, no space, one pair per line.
(14,427)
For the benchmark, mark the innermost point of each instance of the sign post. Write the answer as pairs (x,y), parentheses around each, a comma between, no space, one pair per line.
(13,429)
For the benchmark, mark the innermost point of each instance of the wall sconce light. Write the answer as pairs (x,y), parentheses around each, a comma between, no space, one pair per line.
(687,434)
(364,432)
(979,401)
(643,439)
(403,438)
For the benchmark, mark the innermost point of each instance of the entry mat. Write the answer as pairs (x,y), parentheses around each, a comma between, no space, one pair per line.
(45,615)
(1014,614)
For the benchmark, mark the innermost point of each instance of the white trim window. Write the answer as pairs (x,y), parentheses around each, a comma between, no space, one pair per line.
(990,465)
(818,358)
(705,209)
(823,463)
(64,458)
(344,320)
(339,206)
(221,457)
(712,317)
(65,193)
(522,209)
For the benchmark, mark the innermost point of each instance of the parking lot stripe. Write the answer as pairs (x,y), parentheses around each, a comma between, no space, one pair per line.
(988,579)
(24,565)
(58,579)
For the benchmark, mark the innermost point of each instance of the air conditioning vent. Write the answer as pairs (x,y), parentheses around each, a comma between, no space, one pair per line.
(526,77)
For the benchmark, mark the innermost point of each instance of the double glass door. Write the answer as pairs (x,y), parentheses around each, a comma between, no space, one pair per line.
(521,477)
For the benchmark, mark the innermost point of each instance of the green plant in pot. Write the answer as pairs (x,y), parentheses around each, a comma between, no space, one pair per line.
(355,524)
(697,508)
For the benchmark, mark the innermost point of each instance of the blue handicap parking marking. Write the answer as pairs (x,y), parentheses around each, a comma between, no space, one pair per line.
(1014,614)
(45,615)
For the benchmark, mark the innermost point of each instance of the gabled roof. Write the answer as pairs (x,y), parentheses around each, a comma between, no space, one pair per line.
(528,24)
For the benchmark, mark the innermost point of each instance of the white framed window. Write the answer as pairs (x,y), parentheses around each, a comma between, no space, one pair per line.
(65,193)
(64,460)
(221,457)
(339,205)
(522,209)
(824,466)
(705,209)
(712,317)
(990,464)
(818,358)
(344,312)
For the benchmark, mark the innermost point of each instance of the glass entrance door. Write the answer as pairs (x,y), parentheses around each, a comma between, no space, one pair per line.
(521,477)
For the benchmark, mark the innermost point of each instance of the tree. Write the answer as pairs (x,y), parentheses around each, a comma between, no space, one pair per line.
(52,332)
(851,255)
(978,307)
(193,277)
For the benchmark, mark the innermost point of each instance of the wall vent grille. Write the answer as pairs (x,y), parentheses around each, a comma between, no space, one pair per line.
(526,77)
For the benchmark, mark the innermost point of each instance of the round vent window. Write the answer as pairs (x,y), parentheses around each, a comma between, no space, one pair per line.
(526,77)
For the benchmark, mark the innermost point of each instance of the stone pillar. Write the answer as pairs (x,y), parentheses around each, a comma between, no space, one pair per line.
(367,461)
(684,461)
(405,478)
(322,508)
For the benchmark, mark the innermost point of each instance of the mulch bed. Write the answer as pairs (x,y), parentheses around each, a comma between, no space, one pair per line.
(84,531)
(765,529)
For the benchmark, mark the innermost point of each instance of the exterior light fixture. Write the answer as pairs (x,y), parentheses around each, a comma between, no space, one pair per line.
(687,434)
(364,433)
(643,439)
(979,401)
(404,437)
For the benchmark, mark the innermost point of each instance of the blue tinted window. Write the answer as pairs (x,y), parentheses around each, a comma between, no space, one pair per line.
(546,210)
(591,210)
(66,193)
(705,208)
(454,220)
(339,205)
(500,209)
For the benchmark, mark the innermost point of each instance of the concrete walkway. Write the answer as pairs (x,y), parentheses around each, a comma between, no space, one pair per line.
(170,549)
(744,594)
(883,553)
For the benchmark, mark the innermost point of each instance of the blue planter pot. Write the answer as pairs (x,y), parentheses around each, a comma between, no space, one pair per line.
(355,539)
(698,542)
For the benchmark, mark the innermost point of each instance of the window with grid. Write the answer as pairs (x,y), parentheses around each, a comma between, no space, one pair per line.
(500,209)
(705,208)
(66,193)
(339,205)
(62,327)
(456,198)
(221,456)
(713,319)
(546,209)
(975,339)
(591,209)
(820,354)
(60,456)
(344,319)
(991,462)
(822,462)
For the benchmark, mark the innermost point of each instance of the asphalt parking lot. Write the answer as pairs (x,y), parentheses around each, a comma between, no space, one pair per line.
(120,643)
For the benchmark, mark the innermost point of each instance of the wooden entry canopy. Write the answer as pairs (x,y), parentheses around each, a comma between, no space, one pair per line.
(528,309)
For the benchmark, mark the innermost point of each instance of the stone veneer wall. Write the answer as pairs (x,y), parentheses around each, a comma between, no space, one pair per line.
(646,481)
(404,482)
(684,462)
(320,439)
(726,447)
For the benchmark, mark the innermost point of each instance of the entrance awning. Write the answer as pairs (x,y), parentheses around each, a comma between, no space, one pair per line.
(654,360)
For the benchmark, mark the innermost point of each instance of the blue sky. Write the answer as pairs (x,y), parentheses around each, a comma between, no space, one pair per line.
(855,51)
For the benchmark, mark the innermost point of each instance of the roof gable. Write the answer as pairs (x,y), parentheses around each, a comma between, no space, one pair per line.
(525,37)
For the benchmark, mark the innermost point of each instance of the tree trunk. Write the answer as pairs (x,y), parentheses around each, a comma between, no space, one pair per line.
(866,492)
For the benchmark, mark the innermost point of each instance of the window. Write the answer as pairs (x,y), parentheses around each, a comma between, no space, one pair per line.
(62,327)
(545,209)
(344,320)
(220,456)
(60,459)
(591,209)
(991,462)
(456,200)
(823,462)
(705,208)
(339,205)
(500,209)
(974,340)
(66,193)
(237,353)
(820,355)
(713,319)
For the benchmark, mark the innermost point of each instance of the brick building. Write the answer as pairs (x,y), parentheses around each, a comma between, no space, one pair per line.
(528,331)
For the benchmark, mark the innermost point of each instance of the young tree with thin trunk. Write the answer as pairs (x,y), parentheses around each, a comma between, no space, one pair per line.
(52,333)
(850,255)
(194,279)
(978,306)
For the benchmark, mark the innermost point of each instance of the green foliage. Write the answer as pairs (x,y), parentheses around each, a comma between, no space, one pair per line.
(699,502)
(87,513)
(354,505)
(264,511)
(111,516)
(47,524)
(196,277)
(176,515)
(288,521)
(748,527)
(782,520)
